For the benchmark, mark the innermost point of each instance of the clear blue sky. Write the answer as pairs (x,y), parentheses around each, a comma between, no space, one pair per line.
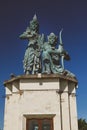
(71,15)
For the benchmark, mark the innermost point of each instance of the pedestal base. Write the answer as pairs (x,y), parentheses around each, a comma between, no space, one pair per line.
(36,102)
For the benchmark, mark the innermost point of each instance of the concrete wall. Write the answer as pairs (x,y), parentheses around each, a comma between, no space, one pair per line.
(27,98)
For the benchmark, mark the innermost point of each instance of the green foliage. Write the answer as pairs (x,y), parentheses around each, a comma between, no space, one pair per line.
(82,124)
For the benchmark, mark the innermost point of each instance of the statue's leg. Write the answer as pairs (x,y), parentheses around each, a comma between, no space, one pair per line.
(27,72)
(48,69)
(45,68)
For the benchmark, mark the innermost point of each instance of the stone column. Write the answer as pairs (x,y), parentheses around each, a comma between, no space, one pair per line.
(64,105)
(72,106)
(58,117)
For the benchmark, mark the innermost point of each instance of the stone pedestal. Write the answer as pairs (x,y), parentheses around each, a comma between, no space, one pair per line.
(38,97)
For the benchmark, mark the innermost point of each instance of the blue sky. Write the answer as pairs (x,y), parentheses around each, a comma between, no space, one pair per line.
(71,15)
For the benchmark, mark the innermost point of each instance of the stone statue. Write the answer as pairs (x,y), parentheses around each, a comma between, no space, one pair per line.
(50,55)
(43,56)
(31,60)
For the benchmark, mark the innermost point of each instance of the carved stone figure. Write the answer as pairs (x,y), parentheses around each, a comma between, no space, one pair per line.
(51,56)
(32,55)
(44,56)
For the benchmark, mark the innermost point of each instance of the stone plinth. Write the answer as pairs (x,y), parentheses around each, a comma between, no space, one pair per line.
(41,96)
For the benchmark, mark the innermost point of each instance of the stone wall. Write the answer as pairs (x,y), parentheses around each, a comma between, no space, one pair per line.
(28,97)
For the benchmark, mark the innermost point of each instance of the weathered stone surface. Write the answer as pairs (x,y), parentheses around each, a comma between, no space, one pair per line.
(39,96)
(44,56)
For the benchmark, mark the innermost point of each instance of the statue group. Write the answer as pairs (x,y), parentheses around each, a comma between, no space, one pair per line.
(43,56)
